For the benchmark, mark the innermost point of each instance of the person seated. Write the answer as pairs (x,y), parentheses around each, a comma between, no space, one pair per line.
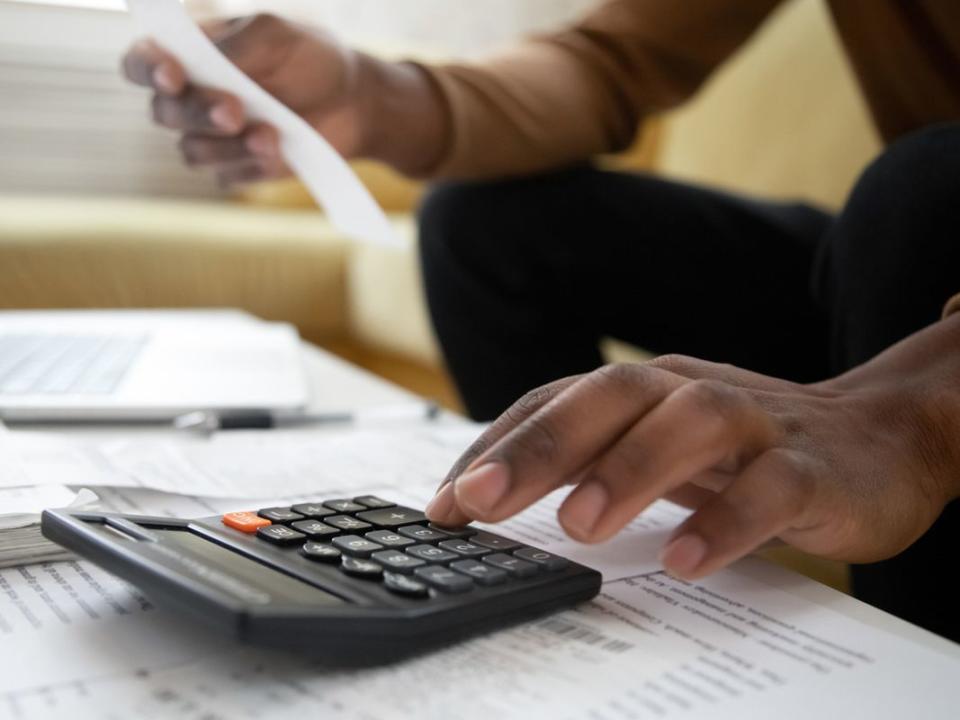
(811,392)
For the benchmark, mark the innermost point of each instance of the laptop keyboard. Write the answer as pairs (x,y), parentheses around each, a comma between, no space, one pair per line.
(60,364)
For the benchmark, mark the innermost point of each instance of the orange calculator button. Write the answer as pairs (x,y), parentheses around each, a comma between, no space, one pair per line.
(247,522)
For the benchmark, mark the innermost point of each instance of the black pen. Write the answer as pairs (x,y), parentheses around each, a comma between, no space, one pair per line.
(206,421)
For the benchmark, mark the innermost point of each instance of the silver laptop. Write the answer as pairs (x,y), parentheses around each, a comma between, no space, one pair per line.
(145,365)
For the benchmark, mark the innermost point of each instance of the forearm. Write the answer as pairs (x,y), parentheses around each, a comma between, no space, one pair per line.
(564,98)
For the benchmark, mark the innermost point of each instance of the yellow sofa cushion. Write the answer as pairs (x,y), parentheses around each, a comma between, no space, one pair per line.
(96,252)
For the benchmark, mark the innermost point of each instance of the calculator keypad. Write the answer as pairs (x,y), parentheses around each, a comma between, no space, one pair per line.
(344,506)
(366,569)
(388,538)
(421,533)
(281,535)
(356,546)
(317,511)
(392,517)
(314,529)
(403,585)
(346,522)
(280,515)
(321,552)
(397,561)
(431,553)
(375,539)
(373,502)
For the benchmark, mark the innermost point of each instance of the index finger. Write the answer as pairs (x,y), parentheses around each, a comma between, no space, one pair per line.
(149,65)
(557,443)
(442,509)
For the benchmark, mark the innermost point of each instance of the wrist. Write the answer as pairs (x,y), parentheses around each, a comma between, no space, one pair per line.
(912,389)
(402,118)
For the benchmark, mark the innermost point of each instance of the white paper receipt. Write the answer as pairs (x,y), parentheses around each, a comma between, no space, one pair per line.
(327,176)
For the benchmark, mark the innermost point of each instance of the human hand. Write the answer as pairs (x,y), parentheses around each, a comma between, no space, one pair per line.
(306,69)
(854,469)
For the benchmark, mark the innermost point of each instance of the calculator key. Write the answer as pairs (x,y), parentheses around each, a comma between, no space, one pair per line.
(430,553)
(444,579)
(344,506)
(397,561)
(421,533)
(464,548)
(356,546)
(457,532)
(312,510)
(392,517)
(373,502)
(246,522)
(281,535)
(280,515)
(494,542)
(403,585)
(314,529)
(481,573)
(358,567)
(388,538)
(320,552)
(345,522)
(513,565)
(548,561)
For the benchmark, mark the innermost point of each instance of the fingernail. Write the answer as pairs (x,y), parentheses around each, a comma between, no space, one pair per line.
(442,503)
(683,556)
(583,511)
(223,117)
(482,488)
(260,144)
(164,80)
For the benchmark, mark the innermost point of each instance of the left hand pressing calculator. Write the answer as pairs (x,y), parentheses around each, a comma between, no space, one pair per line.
(351,582)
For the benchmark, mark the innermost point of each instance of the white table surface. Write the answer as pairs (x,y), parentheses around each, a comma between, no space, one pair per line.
(338,385)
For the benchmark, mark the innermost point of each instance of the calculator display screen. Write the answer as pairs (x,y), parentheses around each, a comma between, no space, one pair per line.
(278,586)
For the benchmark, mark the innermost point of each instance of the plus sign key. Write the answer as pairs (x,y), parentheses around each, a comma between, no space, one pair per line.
(392,517)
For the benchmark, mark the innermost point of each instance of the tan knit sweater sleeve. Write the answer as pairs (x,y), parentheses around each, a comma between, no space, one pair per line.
(952,306)
(562,98)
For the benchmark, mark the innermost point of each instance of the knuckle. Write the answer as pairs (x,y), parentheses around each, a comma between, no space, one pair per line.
(619,376)
(714,398)
(672,362)
(476,449)
(531,402)
(621,470)
(536,440)
(797,476)
(195,110)
(265,22)
(193,150)
(160,110)
(130,65)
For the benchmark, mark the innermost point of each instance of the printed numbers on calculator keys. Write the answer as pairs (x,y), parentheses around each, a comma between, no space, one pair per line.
(372,539)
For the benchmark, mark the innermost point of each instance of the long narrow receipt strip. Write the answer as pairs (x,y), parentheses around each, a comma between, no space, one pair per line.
(331,182)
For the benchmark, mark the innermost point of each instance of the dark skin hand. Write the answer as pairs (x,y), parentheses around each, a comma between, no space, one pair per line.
(855,468)
(363,106)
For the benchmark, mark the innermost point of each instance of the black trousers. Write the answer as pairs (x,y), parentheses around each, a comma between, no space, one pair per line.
(524,277)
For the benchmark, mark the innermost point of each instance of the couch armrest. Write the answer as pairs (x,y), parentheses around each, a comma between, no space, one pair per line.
(278,265)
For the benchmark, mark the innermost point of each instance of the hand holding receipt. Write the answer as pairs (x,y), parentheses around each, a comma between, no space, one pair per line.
(327,176)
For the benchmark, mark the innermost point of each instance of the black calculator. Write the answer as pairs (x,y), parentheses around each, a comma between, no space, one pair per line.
(352,582)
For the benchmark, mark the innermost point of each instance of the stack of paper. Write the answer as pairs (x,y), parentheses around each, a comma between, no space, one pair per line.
(21,542)
(190,476)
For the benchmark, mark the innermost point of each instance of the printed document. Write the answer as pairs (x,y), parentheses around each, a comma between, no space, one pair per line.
(82,644)
(244,464)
